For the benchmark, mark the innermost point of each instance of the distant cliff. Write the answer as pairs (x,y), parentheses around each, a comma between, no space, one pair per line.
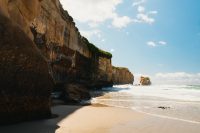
(42,50)
(122,75)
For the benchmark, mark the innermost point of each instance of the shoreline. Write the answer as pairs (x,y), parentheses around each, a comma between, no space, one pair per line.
(151,114)
(101,119)
(167,117)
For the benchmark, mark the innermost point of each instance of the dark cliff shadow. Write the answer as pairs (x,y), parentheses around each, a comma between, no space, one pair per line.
(103,91)
(59,110)
(43,126)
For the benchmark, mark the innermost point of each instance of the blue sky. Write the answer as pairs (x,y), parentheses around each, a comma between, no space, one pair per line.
(160,38)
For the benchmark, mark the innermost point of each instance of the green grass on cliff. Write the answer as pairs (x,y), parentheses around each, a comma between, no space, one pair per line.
(96,50)
(119,67)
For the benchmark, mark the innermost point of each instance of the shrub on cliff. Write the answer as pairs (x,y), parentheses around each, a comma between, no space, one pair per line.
(96,50)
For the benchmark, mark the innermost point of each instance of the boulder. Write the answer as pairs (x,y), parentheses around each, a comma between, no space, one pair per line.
(75,93)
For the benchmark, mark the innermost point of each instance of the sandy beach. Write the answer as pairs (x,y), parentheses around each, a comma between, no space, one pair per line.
(101,119)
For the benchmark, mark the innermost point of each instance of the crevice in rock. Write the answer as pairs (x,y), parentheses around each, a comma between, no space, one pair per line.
(39,38)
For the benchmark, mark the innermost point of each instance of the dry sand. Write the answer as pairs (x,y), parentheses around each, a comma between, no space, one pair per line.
(101,119)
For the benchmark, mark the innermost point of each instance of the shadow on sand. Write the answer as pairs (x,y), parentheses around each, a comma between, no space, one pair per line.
(59,110)
(42,126)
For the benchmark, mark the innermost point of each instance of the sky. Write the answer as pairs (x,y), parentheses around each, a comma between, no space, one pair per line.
(157,38)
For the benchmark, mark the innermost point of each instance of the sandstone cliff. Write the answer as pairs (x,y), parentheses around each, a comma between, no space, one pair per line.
(122,75)
(25,83)
(42,50)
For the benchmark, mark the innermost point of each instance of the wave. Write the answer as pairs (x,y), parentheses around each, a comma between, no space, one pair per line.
(140,111)
(182,101)
(176,92)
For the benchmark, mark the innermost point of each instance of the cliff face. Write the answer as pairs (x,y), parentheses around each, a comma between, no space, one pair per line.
(43,50)
(25,83)
(122,76)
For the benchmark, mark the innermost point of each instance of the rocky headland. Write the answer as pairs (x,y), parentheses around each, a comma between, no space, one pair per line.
(42,51)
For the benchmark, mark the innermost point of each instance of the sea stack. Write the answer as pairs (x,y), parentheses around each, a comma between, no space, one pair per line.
(145,80)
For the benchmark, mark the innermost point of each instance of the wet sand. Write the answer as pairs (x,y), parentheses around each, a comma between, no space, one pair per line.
(101,119)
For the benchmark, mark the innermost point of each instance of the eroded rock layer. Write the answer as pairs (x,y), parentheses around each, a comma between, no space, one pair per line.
(122,75)
(25,83)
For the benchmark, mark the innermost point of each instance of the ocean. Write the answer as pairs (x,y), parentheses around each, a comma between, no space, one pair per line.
(180,102)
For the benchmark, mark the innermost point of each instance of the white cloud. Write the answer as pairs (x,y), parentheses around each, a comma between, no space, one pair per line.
(153,12)
(137,3)
(95,12)
(174,75)
(178,78)
(112,50)
(151,43)
(89,33)
(140,9)
(120,22)
(93,25)
(162,42)
(103,40)
(155,44)
(144,18)
(181,78)
(91,10)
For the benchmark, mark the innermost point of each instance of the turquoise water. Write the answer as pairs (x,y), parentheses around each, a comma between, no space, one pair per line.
(195,87)
(180,102)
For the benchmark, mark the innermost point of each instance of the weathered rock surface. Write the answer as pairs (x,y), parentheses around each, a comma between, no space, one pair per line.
(76,92)
(40,44)
(25,83)
(145,80)
(122,76)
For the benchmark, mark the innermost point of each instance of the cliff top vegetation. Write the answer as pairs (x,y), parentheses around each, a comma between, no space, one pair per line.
(95,49)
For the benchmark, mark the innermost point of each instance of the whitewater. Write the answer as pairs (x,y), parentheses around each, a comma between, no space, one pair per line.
(180,102)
